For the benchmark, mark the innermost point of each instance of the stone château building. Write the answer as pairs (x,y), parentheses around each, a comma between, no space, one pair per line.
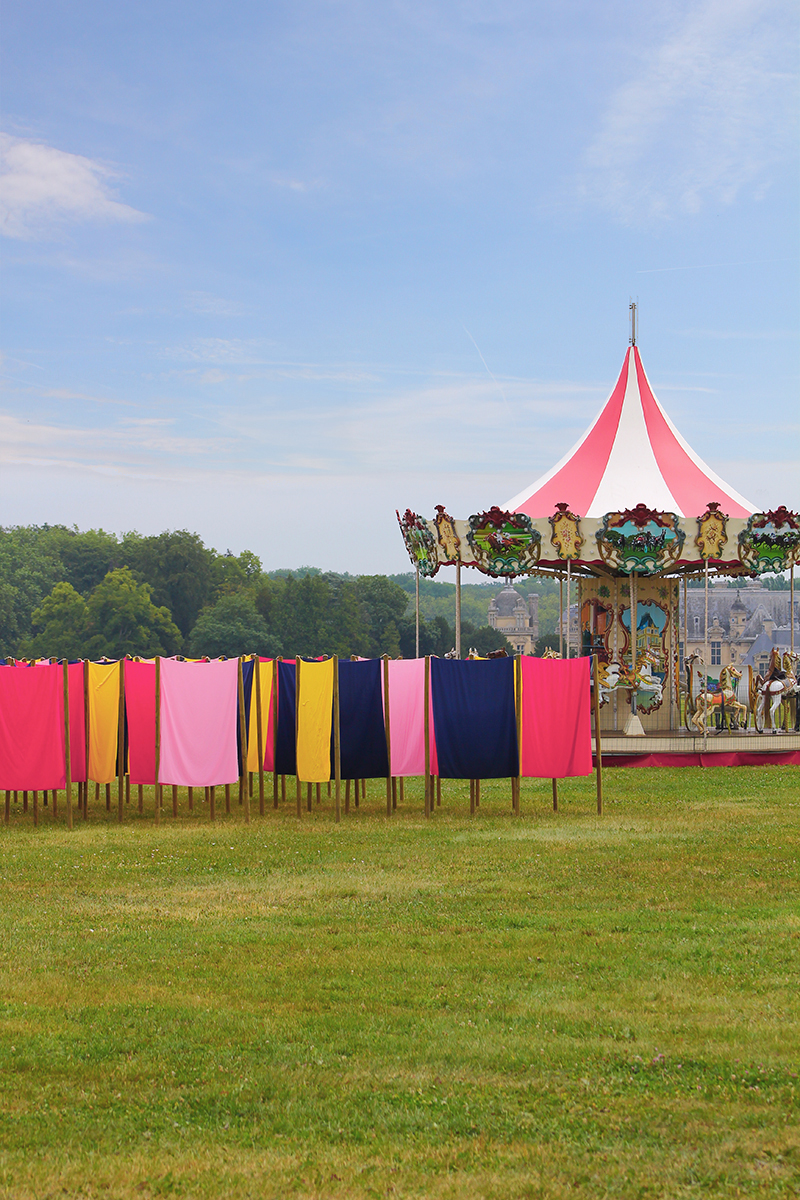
(518,621)
(744,623)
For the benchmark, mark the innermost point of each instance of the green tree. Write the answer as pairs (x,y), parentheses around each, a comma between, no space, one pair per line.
(233,626)
(384,604)
(122,619)
(179,569)
(59,625)
(483,639)
(86,557)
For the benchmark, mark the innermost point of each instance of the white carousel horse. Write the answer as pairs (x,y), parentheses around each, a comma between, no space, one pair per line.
(775,690)
(551,653)
(725,698)
(614,675)
(645,679)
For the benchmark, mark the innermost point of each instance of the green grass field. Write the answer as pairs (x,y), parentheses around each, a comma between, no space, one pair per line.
(553,1005)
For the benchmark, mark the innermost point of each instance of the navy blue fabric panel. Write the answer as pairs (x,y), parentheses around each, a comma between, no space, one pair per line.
(474,718)
(363,734)
(248,669)
(286,752)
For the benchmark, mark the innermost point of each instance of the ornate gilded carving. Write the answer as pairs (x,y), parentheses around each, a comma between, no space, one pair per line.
(420,542)
(566,536)
(640,539)
(711,532)
(770,541)
(504,543)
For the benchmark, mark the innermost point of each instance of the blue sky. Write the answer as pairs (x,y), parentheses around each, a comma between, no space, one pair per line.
(271,271)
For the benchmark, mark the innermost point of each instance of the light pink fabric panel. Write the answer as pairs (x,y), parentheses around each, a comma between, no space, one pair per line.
(199,705)
(556,717)
(406,718)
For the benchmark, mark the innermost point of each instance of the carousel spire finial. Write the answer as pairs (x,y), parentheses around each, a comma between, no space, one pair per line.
(633,322)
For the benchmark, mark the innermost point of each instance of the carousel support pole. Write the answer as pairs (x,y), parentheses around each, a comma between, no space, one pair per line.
(791,608)
(157,788)
(705,656)
(598,752)
(387,725)
(560,616)
(67,752)
(616,647)
(259,735)
(458,608)
(633,725)
(337,741)
(121,742)
(416,609)
(569,607)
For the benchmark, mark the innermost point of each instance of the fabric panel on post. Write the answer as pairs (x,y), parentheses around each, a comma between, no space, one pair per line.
(314,721)
(556,717)
(103,721)
(286,756)
(475,717)
(266,671)
(407,718)
(140,709)
(361,723)
(77,723)
(199,709)
(32,749)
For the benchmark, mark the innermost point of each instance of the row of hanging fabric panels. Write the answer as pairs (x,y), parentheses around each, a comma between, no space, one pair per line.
(471,730)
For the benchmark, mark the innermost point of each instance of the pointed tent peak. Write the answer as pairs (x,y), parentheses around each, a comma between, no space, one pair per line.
(630,454)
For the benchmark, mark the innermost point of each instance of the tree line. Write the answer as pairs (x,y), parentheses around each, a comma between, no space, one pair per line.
(73,594)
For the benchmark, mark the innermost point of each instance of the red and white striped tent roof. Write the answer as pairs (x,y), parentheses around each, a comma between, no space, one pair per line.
(632,454)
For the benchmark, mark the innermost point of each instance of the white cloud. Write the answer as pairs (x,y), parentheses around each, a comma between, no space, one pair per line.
(711,111)
(41,188)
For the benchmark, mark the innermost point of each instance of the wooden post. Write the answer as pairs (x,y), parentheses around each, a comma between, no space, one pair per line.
(190,797)
(426,702)
(597,746)
(402,797)
(157,787)
(299,789)
(174,799)
(560,616)
(555,795)
(212,802)
(394,793)
(416,609)
(67,750)
(86,734)
(243,741)
(128,788)
(8,807)
(283,789)
(141,798)
(518,705)
(108,797)
(472,797)
(227,799)
(337,741)
(309,804)
(388,728)
(121,743)
(259,733)
(477,793)
(35,808)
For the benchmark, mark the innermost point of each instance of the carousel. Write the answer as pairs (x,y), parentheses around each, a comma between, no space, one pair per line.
(628,519)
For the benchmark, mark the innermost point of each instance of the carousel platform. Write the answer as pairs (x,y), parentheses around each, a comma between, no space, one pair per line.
(677,748)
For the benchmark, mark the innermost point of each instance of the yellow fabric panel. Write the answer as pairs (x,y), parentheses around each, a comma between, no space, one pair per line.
(266,671)
(315,713)
(103,721)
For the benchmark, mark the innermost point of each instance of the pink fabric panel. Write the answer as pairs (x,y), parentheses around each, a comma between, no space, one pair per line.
(269,737)
(32,729)
(578,480)
(690,486)
(406,718)
(556,718)
(199,703)
(77,724)
(140,707)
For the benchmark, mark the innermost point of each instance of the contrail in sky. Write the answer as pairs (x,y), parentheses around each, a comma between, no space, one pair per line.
(494,381)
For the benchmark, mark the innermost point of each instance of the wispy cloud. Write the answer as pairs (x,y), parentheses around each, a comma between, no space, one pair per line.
(710,111)
(42,188)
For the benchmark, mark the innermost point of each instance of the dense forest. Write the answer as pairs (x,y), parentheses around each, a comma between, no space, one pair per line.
(66,593)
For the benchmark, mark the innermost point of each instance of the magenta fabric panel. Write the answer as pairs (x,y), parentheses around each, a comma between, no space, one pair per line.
(199,710)
(556,717)
(77,723)
(406,718)
(32,729)
(140,709)
(268,723)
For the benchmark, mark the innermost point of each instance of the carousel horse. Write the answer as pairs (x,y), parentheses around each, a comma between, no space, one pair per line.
(695,676)
(645,679)
(778,686)
(551,653)
(723,701)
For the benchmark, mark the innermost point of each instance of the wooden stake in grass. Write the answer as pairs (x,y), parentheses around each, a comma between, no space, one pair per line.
(337,740)
(212,802)
(157,785)
(555,795)
(140,790)
(121,743)
(243,747)
(190,796)
(8,808)
(387,727)
(597,746)
(67,750)
(174,799)
(259,734)
(35,808)
(427,733)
